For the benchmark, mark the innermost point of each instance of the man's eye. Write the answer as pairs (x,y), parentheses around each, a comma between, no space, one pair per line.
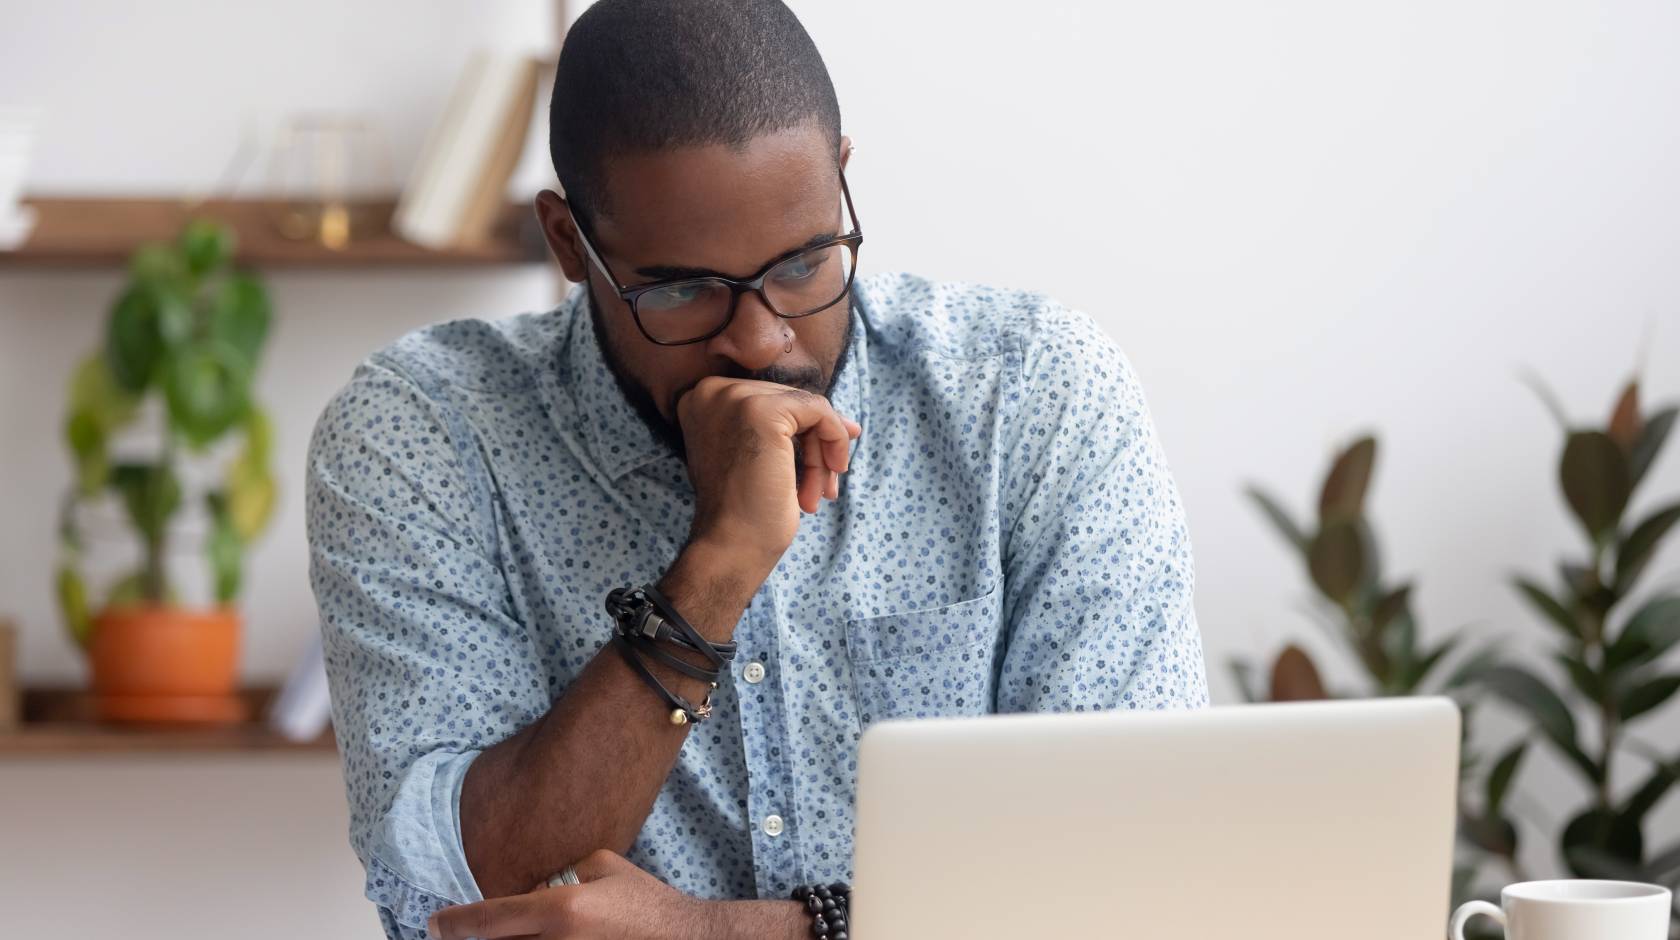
(667,298)
(800,268)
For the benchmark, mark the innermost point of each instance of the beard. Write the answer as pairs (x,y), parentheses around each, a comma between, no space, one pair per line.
(668,431)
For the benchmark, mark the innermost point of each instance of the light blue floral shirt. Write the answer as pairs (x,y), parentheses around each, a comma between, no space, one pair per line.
(1008,539)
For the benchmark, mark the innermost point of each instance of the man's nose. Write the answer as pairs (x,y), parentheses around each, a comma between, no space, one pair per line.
(756,338)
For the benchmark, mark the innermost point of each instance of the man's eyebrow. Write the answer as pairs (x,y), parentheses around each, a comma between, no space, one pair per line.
(666,272)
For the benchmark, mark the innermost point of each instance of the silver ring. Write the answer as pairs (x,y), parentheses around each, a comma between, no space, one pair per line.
(567,876)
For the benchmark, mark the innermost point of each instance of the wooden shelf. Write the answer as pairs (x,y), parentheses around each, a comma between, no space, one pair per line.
(103,232)
(59,721)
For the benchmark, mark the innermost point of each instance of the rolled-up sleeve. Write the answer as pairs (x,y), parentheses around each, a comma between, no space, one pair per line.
(1098,566)
(416,620)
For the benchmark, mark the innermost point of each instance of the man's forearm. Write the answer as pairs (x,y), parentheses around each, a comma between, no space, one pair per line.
(759,920)
(585,775)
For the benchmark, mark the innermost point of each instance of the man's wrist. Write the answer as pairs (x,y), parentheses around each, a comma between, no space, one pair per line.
(711,585)
(757,920)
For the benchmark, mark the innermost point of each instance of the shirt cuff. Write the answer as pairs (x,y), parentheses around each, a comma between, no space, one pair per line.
(416,863)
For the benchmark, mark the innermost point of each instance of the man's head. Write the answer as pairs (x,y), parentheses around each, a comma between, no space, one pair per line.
(696,137)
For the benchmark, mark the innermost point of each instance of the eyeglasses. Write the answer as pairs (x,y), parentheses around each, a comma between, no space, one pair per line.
(694,309)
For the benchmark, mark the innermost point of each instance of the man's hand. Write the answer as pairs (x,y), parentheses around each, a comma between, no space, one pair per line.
(616,901)
(740,437)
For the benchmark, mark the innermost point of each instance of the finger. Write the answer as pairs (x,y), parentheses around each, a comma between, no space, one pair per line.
(498,917)
(833,484)
(815,483)
(807,413)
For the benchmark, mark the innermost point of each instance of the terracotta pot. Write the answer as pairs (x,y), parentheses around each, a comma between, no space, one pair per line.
(154,663)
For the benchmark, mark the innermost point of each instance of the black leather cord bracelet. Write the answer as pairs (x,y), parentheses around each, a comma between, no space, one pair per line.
(830,909)
(682,710)
(646,612)
(642,619)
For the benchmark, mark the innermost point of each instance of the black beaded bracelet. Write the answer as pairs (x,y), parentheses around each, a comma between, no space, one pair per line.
(829,906)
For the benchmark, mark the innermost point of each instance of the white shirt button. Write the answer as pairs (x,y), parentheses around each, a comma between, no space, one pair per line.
(772,825)
(754,673)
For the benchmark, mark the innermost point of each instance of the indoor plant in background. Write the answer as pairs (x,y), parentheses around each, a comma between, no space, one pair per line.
(1372,620)
(1611,676)
(181,346)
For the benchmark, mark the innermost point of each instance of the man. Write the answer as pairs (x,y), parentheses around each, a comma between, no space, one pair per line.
(896,498)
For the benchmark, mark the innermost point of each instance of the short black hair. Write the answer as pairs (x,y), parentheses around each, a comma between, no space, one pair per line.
(648,75)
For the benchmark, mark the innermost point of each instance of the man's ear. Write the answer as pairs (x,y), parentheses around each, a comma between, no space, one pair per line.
(561,234)
(845,151)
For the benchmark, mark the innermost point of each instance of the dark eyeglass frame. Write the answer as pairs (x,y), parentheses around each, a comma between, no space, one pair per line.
(755,284)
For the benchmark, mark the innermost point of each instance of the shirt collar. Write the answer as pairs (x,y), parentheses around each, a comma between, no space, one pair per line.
(617,438)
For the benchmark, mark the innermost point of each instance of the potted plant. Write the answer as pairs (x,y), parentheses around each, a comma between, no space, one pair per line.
(1372,622)
(181,345)
(1611,638)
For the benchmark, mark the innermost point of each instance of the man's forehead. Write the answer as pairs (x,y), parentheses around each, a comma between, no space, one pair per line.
(727,208)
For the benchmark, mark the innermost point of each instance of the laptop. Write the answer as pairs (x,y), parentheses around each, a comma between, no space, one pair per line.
(1305,821)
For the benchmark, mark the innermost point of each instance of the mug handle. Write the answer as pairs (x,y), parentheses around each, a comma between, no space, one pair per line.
(1470,909)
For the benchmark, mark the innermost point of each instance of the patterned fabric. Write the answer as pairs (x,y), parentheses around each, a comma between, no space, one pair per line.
(1008,539)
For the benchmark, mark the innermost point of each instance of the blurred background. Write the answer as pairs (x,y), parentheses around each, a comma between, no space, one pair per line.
(1307,222)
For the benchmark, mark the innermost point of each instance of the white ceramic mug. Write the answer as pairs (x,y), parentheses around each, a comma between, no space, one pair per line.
(1575,910)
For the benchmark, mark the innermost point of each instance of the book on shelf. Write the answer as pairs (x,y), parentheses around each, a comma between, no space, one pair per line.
(459,183)
(303,709)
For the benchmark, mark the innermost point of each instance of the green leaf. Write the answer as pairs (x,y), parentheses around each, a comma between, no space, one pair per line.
(206,245)
(1625,422)
(87,442)
(1491,833)
(1641,544)
(1336,560)
(1649,633)
(1595,480)
(94,391)
(1343,495)
(1499,780)
(1586,681)
(1295,678)
(1588,861)
(1555,612)
(1279,518)
(226,550)
(1474,666)
(133,341)
(1650,443)
(251,496)
(259,436)
(1598,844)
(131,589)
(1528,692)
(1577,579)
(1651,792)
(1420,669)
(158,264)
(250,488)
(151,494)
(73,605)
(207,387)
(1391,605)
(1533,381)
(240,314)
(1646,696)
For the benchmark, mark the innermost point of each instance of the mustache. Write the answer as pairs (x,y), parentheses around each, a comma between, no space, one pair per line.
(808,379)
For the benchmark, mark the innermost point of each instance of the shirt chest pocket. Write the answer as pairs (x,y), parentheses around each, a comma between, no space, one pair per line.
(926,663)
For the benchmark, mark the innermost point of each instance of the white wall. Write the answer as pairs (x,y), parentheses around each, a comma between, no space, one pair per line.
(1302,219)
